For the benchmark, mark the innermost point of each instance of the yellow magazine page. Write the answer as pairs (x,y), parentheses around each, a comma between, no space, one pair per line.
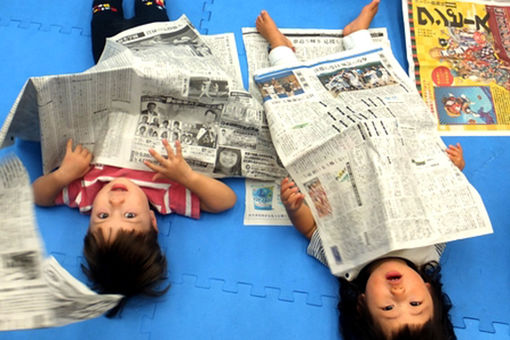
(460,52)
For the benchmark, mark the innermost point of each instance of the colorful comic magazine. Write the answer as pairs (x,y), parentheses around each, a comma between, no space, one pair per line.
(459,54)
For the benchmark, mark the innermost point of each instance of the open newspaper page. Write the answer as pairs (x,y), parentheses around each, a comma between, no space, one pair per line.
(356,137)
(459,54)
(153,82)
(35,292)
(309,44)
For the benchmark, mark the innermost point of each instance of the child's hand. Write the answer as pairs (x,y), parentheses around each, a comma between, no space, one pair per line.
(75,164)
(174,167)
(455,154)
(292,199)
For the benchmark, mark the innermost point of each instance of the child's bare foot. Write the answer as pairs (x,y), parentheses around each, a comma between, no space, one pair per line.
(362,22)
(267,28)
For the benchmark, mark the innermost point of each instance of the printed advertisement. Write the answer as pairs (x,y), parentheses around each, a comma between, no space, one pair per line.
(459,55)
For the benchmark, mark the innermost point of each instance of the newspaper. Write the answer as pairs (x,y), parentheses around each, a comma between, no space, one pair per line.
(309,44)
(363,148)
(263,205)
(459,54)
(155,81)
(35,292)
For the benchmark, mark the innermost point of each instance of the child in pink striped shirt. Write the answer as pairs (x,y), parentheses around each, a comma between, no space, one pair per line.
(121,246)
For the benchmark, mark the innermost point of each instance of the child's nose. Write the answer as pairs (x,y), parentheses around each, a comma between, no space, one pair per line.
(398,291)
(116,200)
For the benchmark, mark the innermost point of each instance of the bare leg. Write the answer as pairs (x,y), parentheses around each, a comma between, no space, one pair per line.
(362,22)
(268,29)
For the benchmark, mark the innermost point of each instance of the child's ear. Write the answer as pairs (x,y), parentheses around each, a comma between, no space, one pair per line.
(429,287)
(154,221)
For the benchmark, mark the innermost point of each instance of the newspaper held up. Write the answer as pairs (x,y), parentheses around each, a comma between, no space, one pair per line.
(35,292)
(362,146)
(310,44)
(152,82)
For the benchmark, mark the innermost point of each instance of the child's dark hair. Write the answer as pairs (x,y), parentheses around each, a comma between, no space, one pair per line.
(130,264)
(356,323)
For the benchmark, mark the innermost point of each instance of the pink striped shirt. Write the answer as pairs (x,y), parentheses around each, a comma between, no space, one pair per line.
(164,195)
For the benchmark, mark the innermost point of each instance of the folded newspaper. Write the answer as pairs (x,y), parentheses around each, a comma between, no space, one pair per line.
(35,292)
(161,80)
(361,144)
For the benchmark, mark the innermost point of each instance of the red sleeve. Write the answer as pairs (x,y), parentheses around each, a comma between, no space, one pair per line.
(69,194)
(183,201)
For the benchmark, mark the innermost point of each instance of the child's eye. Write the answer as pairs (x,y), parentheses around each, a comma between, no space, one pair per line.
(129,215)
(102,215)
(415,303)
(388,308)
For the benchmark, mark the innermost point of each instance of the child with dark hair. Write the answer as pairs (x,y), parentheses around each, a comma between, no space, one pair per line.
(121,246)
(397,296)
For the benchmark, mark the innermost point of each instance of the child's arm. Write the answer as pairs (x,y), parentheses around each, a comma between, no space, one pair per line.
(214,195)
(299,213)
(75,165)
(455,154)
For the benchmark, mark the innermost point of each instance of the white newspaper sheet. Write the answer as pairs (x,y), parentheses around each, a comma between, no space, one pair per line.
(35,292)
(310,44)
(356,137)
(153,82)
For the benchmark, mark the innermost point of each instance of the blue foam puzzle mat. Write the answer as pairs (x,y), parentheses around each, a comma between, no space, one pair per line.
(230,281)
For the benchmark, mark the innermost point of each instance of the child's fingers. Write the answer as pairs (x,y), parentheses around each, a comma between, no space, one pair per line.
(295,201)
(85,152)
(168,148)
(88,157)
(156,156)
(69,146)
(153,166)
(452,151)
(288,184)
(284,181)
(178,148)
(285,185)
(288,193)
(459,147)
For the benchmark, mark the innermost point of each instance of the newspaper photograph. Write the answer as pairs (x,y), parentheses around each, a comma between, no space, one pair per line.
(459,55)
(152,82)
(35,292)
(263,205)
(363,148)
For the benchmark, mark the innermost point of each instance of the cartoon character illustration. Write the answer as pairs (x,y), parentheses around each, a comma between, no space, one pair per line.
(455,106)
(486,116)
(472,55)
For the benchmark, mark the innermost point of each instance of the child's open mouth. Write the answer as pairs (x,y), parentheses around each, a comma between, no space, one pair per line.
(393,277)
(118,187)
